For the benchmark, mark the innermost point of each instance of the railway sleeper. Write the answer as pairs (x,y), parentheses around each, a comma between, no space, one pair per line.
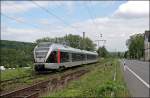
(35,90)
(32,95)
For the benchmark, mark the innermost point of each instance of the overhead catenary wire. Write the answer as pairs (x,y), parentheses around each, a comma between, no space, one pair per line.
(91,16)
(52,14)
(49,12)
(94,15)
(14,18)
(94,22)
(41,27)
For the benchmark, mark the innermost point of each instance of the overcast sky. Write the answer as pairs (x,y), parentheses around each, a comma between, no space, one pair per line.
(115,20)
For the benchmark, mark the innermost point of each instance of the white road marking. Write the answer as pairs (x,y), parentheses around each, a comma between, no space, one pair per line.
(146,84)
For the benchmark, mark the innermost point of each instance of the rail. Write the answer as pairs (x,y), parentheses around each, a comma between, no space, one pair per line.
(35,90)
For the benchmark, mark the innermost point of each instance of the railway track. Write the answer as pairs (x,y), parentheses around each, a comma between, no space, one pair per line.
(17,79)
(9,81)
(37,89)
(34,89)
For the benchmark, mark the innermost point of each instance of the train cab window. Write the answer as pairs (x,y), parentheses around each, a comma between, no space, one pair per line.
(52,57)
(64,57)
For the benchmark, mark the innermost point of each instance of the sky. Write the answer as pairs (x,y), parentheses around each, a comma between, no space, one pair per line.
(28,21)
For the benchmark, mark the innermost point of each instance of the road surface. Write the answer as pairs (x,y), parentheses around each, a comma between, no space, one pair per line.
(136,75)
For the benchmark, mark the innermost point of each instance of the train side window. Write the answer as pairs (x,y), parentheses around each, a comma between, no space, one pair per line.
(149,38)
(52,57)
(83,57)
(88,57)
(73,57)
(64,57)
(91,57)
(77,57)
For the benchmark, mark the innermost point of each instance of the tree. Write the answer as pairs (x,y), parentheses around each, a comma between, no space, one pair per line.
(45,39)
(74,41)
(102,52)
(126,54)
(15,53)
(136,46)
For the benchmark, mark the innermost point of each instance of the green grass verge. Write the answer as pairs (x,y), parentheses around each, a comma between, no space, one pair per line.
(14,73)
(97,83)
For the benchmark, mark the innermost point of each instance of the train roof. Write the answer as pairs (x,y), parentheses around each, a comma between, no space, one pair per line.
(67,48)
(55,46)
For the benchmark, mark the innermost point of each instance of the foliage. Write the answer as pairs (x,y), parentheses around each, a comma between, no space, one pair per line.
(74,41)
(135,46)
(108,87)
(14,73)
(126,54)
(16,54)
(20,54)
(102,52)
(117,54)
(97,83)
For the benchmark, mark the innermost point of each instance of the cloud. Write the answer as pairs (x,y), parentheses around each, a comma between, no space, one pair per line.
(133,9)
(27,35)
(130,18)
(115,30)
(15,7)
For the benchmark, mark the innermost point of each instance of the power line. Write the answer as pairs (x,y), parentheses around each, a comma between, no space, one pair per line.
(94,15)
(92,18)
(14,18)
(104,41)
(30,15)
(52,14)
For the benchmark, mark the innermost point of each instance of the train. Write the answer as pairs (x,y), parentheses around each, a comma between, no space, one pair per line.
(54,56)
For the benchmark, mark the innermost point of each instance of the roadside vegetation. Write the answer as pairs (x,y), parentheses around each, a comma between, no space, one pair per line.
(135,46)
(97,83)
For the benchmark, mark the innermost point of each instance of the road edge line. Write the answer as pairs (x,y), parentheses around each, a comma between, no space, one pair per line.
(146,84)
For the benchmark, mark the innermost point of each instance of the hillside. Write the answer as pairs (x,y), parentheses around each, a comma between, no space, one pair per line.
(15,53)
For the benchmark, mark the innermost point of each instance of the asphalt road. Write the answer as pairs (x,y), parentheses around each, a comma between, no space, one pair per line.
(136,75)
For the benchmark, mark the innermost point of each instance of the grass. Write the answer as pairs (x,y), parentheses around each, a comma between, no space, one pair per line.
(120,80)
(97,83)
(18,83)
(14,73)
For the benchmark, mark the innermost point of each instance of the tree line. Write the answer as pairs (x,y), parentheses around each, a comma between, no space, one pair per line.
(20,54)
(16,54)
(77,41)
(135,46)
(74,41)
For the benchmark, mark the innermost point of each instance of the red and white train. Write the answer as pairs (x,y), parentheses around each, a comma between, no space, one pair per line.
(48,56)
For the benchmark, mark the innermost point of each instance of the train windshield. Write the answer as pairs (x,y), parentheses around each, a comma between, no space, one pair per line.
(44,45)
(42,50)
(41,54)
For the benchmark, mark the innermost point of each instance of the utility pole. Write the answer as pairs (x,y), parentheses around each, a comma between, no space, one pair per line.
(104,41)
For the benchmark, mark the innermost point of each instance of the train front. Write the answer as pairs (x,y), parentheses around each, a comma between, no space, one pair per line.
(40,53)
